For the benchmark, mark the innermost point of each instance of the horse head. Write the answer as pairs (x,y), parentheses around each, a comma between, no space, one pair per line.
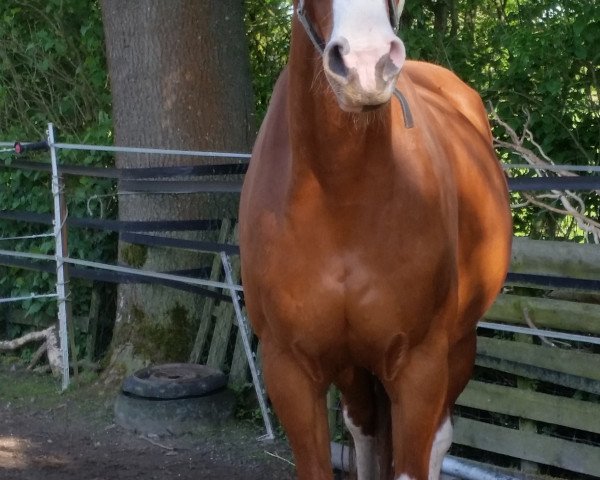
(362,56)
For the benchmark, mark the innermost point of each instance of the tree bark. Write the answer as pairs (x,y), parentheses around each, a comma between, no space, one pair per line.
(179,79)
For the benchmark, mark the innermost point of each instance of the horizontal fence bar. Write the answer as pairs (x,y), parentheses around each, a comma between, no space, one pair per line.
(146,179)
(28,237)
(194,245)
(119,269)
(466,470)
(530,280)
(178,186)
(97,275)
(151,151)
(553,168)
(138,173)
(540,281)
(29,297)
(588,182)
(540,333)
(197,153)
(116,225)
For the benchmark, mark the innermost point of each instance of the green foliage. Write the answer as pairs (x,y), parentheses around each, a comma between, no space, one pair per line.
(53,70)
(535,56)
(268,27)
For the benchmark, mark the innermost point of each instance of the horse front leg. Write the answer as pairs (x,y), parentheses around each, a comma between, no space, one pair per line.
(421,424)
(298,395)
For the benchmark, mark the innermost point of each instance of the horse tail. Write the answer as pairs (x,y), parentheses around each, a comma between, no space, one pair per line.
(385,449)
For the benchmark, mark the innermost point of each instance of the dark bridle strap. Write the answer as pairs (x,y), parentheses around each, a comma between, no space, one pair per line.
(409,121)
(319,45)
(393,13)
(315,38)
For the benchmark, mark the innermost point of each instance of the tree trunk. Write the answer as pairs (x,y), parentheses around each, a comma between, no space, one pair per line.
(180,79)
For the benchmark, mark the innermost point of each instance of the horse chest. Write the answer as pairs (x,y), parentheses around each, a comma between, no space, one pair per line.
(343,294)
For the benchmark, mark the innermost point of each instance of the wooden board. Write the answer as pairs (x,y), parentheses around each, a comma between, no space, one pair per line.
(543,257)
(220,339)
(238,375)
(541,407)
(543,449)
(546,313)
(536,373)
(206,318)
(560,360)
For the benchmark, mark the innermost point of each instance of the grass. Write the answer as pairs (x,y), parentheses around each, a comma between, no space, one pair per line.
(20,388)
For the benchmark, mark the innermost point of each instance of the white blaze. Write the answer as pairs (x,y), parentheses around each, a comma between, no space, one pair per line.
(363,29)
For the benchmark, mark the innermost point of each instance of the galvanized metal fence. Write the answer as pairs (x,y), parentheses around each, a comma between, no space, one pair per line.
(61,258)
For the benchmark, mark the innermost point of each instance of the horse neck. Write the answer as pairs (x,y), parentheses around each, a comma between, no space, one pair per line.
(328,143)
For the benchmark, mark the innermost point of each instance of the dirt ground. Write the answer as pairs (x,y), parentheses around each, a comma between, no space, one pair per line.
(72,436)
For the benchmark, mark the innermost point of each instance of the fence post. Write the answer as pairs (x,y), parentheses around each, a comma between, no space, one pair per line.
(245,333)
(60,238)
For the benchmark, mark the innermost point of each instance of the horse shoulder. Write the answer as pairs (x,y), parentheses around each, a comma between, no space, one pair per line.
(453,91)
(484,222)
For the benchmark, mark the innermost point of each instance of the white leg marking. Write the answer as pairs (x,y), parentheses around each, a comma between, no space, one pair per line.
(441,444)
(365,447)
(404,476)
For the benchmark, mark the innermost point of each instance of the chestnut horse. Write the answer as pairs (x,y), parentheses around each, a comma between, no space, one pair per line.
(374,234)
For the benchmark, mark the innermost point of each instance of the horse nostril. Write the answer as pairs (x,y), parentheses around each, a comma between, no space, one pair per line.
(398,53)
(394,61)
(334,57)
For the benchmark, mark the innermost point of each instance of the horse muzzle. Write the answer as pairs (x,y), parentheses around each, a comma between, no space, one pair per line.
(363,78)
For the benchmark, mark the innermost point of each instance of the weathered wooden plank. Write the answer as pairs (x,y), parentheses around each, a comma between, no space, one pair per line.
(543,449)
(547,313)
(543,257)
(543,374)
(238,375)
(206,318)
(526,424)
(532,405)
(239,362)
(92,317)
(557,359)
(224,317)
(221,334)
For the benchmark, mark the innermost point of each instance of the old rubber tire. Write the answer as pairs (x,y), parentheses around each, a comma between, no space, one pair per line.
(174,417)
(174,380)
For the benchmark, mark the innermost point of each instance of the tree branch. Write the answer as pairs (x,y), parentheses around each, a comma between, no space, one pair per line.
(542,160)
(50,346)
